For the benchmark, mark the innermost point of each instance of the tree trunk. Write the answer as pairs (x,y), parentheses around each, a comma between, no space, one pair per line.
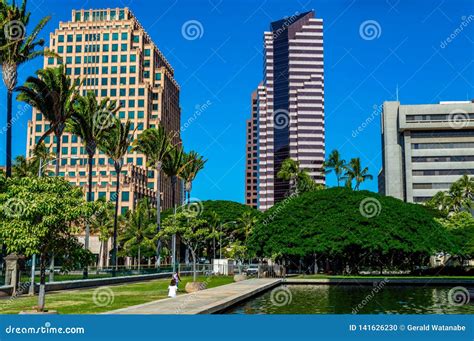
(58,154)
(158,213)
(42,291)
(193,254)
(173,239)
(139,258)
(89,199)
(9,134)
(117,193)
(51,269)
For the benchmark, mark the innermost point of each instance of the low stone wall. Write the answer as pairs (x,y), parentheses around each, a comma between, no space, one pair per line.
(6,290)
(388,281)
(97,282)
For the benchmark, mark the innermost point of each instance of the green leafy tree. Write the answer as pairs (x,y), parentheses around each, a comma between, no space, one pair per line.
(461,226)
(193,232)
(115,145)
(459,197)
(337,164)
(36,218)
(53,94)
(155,144)
(16,48)
(350,229)
(355,172)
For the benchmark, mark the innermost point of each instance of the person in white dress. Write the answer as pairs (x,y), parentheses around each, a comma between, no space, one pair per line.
(172,288)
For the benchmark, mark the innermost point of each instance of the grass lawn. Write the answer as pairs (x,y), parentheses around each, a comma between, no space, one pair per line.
(381,276)
(124,295)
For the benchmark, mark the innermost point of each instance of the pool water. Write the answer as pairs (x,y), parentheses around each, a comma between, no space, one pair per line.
(350,299)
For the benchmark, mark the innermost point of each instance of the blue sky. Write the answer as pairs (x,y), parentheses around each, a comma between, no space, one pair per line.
(223,65)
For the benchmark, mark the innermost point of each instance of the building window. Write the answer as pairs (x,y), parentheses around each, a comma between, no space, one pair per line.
(124,35)
(114,36)
(125,196)
(123,58)
(69,38)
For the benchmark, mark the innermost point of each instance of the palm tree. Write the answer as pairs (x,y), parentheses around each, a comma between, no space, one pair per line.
(53,94)
(300,180)
(247,221)
(173,166)
(115,145)
(194,163)
(290,171)
(17,48)
(337,164)
(355,172)
(140,230)
(466,184)
(22,167)
(90,120)
(155,144)
(41,157)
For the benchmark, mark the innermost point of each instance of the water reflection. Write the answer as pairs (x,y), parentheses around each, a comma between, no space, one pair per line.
(348,299)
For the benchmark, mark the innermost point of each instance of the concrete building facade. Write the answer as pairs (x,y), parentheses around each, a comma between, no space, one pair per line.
(290,104)
(110,52)
(425,148)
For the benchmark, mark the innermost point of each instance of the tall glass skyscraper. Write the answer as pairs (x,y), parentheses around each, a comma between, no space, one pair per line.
(290,104)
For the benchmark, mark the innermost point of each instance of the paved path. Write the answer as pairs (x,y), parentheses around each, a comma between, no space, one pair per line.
(205,301)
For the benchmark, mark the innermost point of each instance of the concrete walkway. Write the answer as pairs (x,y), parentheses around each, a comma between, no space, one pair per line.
(205,301)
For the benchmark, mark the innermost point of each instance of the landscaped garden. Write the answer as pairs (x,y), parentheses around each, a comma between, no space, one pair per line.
(84,301)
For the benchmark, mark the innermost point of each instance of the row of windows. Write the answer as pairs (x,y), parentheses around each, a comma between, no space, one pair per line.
(441,145)
(99,15)
(443,172)
(92,48)
(95,59)
(436,117)
(453,158)
(92,37)
(443,133)
(432,186)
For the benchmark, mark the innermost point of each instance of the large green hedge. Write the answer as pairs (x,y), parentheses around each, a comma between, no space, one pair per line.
(356,228)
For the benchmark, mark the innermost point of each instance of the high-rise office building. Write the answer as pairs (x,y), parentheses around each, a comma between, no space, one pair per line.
(425,148)
(251,161)
(114,57)
(290,104)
